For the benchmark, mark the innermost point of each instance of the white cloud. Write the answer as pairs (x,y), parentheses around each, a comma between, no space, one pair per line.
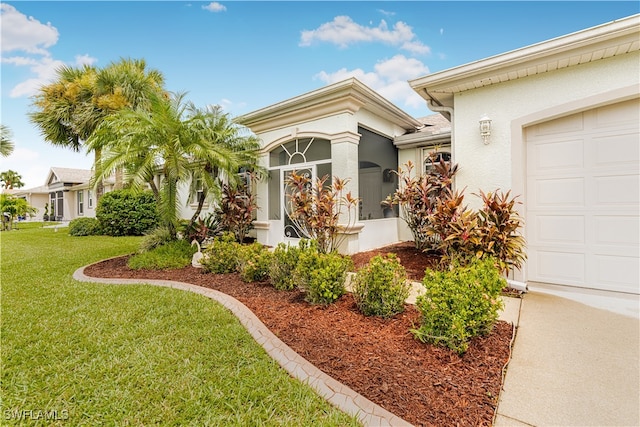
(386,12)
(85,60)
(20,32)
(343,31)
(19,60)
(441,31)
(45,72)
(215,7)
(231,107)
(31,38)
(28,164)
(389,79)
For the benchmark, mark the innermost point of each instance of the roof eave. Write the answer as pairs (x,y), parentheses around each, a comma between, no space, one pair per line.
(620,36)
(345,96)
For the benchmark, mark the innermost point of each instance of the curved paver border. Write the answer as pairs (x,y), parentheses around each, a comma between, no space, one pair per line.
(336,393)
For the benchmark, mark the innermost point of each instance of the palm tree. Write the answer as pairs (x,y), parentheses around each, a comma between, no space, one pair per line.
(70,109)
(6,141)
(11,179)
(174,139)
(216,126)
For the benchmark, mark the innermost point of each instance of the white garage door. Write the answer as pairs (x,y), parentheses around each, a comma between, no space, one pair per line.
(583,199)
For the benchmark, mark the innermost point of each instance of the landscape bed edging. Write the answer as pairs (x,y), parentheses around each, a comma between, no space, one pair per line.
(336,393)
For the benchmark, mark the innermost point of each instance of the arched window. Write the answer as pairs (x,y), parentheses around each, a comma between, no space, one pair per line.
(301,154)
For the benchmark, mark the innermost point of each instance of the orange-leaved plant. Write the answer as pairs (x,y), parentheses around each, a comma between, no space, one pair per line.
(316,209)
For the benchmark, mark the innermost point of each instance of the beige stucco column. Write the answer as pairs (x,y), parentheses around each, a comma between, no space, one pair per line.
(344,160)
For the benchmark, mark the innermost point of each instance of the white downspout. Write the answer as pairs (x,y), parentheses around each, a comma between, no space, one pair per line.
(441,108)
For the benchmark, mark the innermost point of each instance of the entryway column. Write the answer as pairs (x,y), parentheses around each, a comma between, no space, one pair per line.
(344,165)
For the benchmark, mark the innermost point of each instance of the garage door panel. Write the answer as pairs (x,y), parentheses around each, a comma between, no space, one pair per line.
(573,123)
(558,192)
(616,115)
(558,154)
(618,273)
(615,191)
(560,229)
(621,231)
(558,267)
(617,150)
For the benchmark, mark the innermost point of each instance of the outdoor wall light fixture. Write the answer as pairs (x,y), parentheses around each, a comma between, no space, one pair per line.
(485,128)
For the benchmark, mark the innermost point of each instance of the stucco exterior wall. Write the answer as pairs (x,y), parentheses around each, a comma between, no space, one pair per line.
(561,92)
(342,130)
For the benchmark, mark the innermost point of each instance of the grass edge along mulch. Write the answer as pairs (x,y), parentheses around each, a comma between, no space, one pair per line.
(378,358)
(84,354)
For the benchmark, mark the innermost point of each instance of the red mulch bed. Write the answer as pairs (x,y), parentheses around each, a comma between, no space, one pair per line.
(380,359)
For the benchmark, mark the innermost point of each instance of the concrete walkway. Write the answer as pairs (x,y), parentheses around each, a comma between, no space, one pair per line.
(572,365)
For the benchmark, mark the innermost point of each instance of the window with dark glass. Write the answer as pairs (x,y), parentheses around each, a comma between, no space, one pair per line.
(378,159)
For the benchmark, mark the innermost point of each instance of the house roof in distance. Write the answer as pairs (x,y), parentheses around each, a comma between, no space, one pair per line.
(68,175)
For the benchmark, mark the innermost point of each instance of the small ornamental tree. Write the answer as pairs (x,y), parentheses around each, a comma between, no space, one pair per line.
(316,209)
(11,207)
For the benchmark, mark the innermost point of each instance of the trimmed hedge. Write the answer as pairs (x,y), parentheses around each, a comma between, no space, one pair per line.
(84,227)
(124,213)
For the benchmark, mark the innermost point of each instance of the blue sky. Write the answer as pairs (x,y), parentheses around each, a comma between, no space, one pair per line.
(247,55)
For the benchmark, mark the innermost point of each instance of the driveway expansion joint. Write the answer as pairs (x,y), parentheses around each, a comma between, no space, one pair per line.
(336,393)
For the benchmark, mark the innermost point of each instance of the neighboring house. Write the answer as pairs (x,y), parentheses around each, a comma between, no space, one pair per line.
(66,195)
(564,135)
(66,192)
(69,195)
(37,197)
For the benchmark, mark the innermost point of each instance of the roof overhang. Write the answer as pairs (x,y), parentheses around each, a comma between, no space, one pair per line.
(604,41)
(420,139)
(345,96)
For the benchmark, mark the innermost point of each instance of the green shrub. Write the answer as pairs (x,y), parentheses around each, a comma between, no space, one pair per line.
(222,255)
(283,264)
(381,287)
(253,262)
(321,276)
(157,237)
(202,229)
(175,254)
(84,227)
(459,304)
(124,213)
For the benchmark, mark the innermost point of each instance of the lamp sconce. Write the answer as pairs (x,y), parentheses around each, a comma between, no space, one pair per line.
(485,128)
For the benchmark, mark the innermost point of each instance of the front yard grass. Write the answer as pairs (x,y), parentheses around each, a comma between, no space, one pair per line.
(90,354)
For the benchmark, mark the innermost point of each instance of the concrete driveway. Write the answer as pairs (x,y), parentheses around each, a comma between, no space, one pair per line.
(572,365)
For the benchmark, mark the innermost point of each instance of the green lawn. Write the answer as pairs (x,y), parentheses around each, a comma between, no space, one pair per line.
(93,354)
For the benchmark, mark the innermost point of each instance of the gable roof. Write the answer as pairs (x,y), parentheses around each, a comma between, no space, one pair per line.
(68,175)
(603,41)
(349,95)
